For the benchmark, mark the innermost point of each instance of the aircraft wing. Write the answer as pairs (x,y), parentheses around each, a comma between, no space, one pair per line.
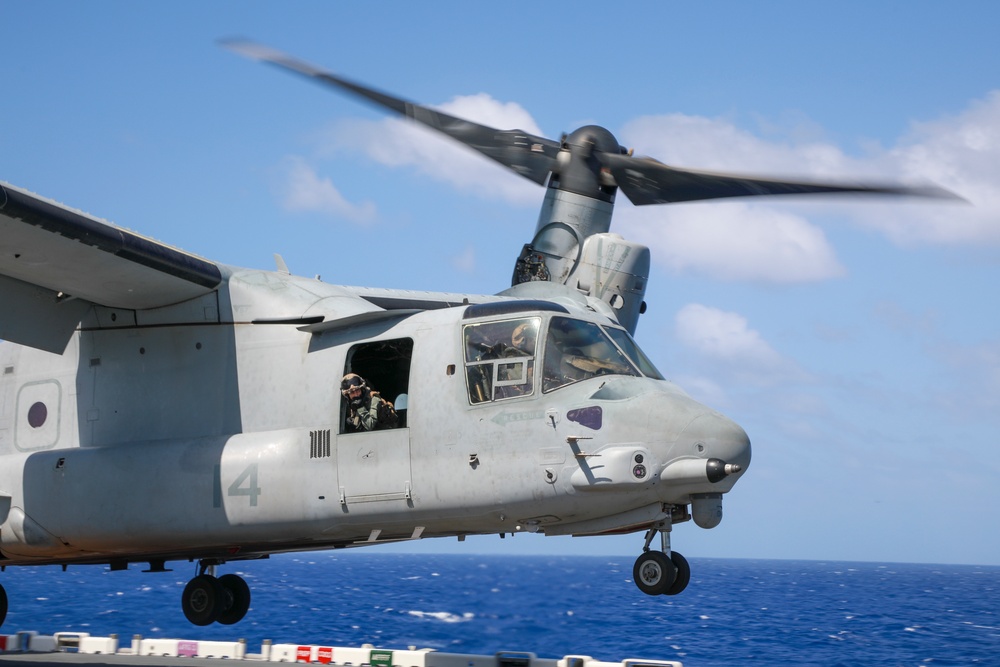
(395,299)
(55,261)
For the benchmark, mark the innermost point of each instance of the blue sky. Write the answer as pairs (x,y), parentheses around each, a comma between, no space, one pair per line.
(858,342)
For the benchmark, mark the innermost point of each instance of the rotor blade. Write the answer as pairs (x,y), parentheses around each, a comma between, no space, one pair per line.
(647,181)
(530,156)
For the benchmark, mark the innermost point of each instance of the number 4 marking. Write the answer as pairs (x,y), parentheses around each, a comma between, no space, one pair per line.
(248,476)
(244,485)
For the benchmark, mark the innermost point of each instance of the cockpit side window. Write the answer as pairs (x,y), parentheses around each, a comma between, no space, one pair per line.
(576,350)
(500,358)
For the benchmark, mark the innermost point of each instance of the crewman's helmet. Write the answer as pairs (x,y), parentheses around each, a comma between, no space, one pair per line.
(353,387)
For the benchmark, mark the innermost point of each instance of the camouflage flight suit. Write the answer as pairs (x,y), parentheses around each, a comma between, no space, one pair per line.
(374,414)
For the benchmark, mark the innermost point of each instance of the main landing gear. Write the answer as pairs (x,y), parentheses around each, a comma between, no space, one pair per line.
(663,572)
(207,599)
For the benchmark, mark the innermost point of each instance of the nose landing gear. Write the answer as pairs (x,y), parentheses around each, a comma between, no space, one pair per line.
(663,572)
(207,599)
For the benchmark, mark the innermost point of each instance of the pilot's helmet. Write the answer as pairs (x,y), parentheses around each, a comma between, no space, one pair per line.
(523,337)
(351,382)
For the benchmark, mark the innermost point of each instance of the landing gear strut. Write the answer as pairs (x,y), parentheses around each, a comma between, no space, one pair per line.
(207,599)
(663,572)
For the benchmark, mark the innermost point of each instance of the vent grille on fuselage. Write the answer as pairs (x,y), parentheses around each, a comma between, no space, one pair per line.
(319,444)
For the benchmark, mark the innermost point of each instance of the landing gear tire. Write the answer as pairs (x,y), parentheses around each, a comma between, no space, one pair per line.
(683,574)
(235,599)
(3,605)
(654,573)
(202,599)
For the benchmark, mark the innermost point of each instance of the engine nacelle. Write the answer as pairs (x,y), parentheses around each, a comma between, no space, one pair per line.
(572,246)
(608,269)
(615,271)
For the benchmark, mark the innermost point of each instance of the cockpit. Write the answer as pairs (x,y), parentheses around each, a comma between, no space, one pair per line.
(503,357)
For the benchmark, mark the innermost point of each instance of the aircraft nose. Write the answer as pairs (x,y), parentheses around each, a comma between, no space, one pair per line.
(715,436)
(715,452)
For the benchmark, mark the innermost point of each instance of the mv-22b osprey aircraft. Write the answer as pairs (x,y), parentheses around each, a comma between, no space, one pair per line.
(156,406)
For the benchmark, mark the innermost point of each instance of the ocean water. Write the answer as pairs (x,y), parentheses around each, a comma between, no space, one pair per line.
(734,612)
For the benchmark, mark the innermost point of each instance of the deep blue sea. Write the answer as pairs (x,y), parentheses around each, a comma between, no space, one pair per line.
(734,612)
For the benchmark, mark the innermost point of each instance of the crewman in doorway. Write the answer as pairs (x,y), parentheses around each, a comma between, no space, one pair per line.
(366,409)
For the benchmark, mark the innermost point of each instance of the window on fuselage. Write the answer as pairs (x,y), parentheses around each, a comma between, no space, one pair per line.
(500,358)
(576,350)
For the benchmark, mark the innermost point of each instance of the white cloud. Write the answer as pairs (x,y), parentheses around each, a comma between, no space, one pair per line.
(304,190)
(717,144)
(722,335)
(734,241)
(725,341)
(961,153)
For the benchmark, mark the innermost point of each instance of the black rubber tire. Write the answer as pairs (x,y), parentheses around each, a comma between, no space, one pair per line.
(202,599)
(236,599)
(683,574)
(3,605)
(653,573)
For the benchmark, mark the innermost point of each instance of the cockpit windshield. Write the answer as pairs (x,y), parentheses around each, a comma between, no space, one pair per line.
(501,355)
(638,357)
(576,350)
